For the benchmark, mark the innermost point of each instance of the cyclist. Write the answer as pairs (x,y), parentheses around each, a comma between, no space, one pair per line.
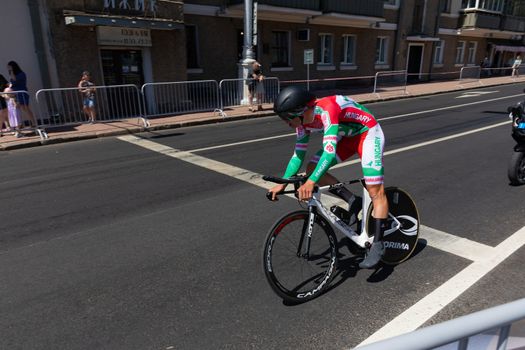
(347,128)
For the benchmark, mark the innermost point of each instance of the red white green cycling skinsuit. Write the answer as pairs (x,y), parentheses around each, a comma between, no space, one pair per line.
(348,128)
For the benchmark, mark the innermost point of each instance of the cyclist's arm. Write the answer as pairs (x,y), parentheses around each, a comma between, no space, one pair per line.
(331,129)
(301,145)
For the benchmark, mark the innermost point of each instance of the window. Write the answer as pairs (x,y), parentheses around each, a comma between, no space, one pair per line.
(391,2)
(489,5)
(280,49)
(348,49)
(192,47)
(325,48)
(445,6)
(438,52)
(460,52)
(381,50)
(471,58)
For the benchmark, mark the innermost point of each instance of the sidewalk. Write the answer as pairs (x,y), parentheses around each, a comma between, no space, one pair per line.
(88,131)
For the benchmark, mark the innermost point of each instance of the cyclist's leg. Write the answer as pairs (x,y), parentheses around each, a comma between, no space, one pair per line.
(371,154)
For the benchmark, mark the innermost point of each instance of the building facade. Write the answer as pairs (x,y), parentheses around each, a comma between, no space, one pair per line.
(138,41)
(428,38)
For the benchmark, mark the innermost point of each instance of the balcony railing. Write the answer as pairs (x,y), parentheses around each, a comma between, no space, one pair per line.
(513,24)
(313,5)
(372,8)
(480,20)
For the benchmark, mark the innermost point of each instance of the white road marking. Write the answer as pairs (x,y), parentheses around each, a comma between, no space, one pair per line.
(437,239)
(223,168)
(475,93)
(422,144)
(459,246)
(450,107)
(485,258)
(233,144)
(241,142)
(423,310)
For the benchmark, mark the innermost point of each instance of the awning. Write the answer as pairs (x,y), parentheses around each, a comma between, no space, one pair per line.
(86,19)
(509,48)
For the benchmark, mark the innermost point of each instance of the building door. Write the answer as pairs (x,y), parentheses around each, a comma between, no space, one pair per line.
(415,58)
(122,67)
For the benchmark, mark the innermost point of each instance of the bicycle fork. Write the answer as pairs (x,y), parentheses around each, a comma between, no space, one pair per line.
(306,235)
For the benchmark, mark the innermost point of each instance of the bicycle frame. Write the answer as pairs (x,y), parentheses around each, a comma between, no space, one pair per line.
(362,238)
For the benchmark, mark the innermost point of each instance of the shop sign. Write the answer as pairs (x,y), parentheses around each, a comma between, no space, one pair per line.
(133,5)
(118,36)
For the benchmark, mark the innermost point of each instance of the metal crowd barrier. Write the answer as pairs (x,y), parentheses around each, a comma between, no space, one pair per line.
(470,74)
(390,81)
(458,332)
(65,106)
(172,98)
(234,91)
(20,119)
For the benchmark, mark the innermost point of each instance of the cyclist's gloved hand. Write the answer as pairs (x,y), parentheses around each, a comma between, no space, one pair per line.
(272,194)
(306,191)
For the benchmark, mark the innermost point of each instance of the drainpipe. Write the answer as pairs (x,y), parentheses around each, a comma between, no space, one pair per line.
(247,52)
(398,39)
(436,35)
(36,25)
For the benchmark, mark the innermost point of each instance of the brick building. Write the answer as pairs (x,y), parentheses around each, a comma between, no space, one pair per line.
(355,38)
(118,41)
(137,41)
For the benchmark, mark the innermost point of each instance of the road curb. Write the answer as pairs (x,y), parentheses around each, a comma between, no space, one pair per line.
(197,122)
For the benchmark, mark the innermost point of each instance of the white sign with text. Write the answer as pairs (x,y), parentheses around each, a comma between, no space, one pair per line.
(117,36)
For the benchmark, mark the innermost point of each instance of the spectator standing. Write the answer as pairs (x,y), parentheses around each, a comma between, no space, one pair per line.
(4,121)
(14,111)
(516,67)
(256,86)
(485,65)
(18,81)
(87,89)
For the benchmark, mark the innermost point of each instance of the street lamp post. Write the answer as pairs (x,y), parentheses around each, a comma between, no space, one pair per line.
(247,52)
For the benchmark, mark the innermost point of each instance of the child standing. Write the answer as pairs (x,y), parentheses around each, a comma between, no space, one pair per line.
(14,112)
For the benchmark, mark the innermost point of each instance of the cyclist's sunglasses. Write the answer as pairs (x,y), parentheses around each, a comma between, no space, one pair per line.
(286,116)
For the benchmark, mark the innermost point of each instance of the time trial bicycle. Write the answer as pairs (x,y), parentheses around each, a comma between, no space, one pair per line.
(300,251)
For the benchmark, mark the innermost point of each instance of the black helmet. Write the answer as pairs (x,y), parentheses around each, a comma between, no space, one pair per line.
(292,102)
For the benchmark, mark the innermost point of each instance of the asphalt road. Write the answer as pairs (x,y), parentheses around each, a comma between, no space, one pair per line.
(107,244)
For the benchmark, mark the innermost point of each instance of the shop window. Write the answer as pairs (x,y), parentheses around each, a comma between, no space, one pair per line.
(192,47)
(280,49)
(460,52)
(348,45)
(438,52)
(471,53)
(381,50)
(325,49)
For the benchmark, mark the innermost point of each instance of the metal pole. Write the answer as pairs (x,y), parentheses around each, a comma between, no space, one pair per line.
(247,52)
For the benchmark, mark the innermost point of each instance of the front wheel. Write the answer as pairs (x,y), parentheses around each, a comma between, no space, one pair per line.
(402,232)
(516,171)
(297,268)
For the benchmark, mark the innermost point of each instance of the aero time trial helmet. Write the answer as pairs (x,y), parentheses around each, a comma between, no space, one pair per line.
(292,102)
